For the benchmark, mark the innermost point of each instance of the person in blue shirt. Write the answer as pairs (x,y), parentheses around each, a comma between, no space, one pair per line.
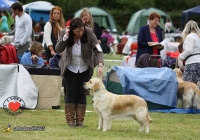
(34,56)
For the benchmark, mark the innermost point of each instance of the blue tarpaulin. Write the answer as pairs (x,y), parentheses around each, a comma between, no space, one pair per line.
(157,85)
(178,110)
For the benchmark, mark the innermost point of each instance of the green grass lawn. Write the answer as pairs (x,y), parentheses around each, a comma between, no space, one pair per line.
(165,126)
(112,57)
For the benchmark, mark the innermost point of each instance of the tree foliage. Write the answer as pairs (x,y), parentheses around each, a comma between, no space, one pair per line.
(122,10)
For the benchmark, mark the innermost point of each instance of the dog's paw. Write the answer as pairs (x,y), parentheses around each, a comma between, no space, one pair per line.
(104,130)
(62,91)
(99,128)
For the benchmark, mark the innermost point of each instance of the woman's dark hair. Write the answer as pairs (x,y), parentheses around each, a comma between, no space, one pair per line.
(71,16)
(12,25)
(17,5)
(4,12)
(167,19)
(76,23)
(105,31)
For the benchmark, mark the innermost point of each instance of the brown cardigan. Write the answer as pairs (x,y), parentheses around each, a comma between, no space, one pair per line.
(89,52)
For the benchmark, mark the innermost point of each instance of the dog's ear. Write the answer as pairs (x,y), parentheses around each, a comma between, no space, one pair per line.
(96,86)
(180,73)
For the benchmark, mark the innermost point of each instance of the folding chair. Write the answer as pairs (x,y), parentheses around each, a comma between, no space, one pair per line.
(111,45)
(104,45)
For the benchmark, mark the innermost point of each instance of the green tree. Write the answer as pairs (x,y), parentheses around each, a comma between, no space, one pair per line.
(122,10)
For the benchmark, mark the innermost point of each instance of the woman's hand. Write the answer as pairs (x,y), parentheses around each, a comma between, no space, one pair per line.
(152,43)
(99,41)
(53,52)
(100,71)
(158,46)
(67,29)
(34,58)
(83,19)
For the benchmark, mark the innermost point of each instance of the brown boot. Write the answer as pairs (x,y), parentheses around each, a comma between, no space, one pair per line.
(70,113)
(80,113)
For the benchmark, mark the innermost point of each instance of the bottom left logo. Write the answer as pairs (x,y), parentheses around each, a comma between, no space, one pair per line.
(14,105)
(6,128)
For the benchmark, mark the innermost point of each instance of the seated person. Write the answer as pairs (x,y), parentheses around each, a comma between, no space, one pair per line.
(34,56)
(106,34)
(124,35)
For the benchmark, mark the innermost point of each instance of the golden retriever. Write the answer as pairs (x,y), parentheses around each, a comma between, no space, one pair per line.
(188,92)
(189,95)
(179,75)
(109,105)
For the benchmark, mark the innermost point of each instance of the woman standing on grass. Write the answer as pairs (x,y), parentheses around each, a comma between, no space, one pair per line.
(149,35)
(4,24)
(87,18)
(52,31)
(77,63)
(191,52)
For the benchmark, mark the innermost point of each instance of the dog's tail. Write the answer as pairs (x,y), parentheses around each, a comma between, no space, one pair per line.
(149,118)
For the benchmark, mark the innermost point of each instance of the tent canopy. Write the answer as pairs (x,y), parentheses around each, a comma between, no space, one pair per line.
(38,9)
(4,5)
(140,19)
(187,13)
(10,2)
(101,17)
